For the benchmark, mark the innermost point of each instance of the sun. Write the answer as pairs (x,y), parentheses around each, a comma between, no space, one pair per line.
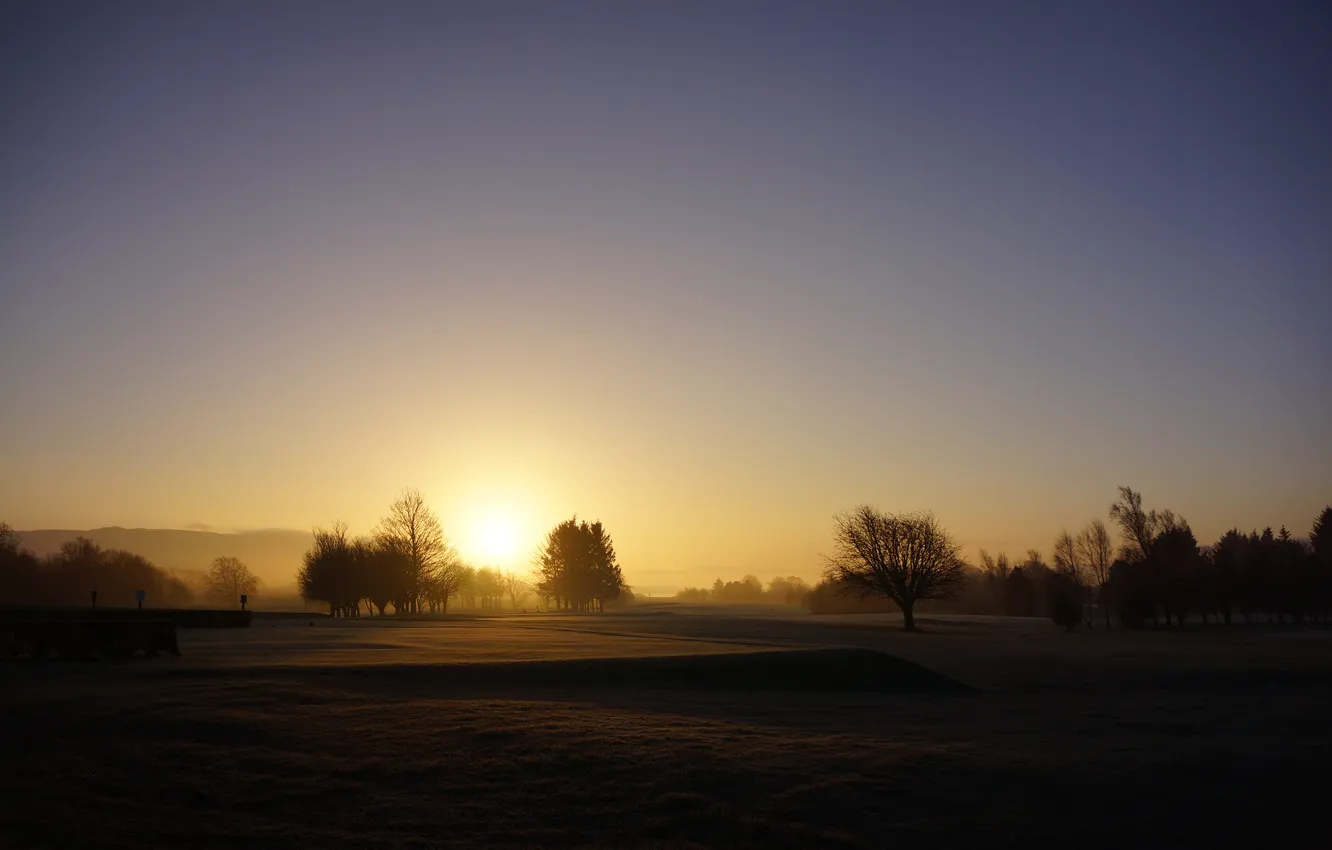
(495,536)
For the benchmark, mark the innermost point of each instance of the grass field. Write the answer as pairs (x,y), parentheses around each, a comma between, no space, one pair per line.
(745,727)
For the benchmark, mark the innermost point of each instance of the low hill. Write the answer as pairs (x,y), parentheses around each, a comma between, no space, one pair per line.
(273,554)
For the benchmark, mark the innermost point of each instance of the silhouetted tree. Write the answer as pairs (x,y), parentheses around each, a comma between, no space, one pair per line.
(1130,588)
(1066,556)
(1064,597)
(334,571)
(20,571)
(431,567)
(693,594)
(748,590)
(1141,528)
(1024,591)
(994,579)
(9,540)
(1096,552)
(1154,585)
(1068,584)
(516,588)
(1295,584)
(833,597)
(789,590)
(1320,556)
(80,567)
(1020,594)
(488,586)
(905,557)
(577,566)
(467,586)
(1174,565)
(444,583)
(1255,596)
(1162,574)
(381,573)
(607,579)
(1223,569)
(228,578)
(624,599)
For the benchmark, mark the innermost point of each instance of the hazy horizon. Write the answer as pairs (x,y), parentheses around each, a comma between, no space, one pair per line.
(282,575)
(710,273)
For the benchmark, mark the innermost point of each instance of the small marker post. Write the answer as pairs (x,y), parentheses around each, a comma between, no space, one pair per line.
(139,596)
(244,598)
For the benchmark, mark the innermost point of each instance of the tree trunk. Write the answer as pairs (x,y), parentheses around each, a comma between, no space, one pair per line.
(908,615)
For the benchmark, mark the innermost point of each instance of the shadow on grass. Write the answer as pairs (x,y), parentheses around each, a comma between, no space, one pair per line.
(845,670)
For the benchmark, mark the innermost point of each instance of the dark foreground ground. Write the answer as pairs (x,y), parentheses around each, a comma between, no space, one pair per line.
(389,734)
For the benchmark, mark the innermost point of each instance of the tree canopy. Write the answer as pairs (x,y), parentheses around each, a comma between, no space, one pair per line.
(906,557)
(432,569)
(228,578)
(577,567)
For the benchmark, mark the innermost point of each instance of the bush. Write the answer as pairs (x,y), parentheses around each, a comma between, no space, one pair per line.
(1064,601)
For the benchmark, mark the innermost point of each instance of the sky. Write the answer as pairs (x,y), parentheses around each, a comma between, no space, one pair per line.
(708,271)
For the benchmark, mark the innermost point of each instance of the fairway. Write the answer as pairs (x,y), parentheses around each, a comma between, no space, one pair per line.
(370,733)
(468,639)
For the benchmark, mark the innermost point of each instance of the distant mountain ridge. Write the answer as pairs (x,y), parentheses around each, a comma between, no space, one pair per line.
(272,554)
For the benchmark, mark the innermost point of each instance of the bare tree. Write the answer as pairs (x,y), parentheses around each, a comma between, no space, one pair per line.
(1138,525)
(489,586)
(517,588)
(1066,557)
(1068,565)
(905,557)
(446,581)
(1097,553)
(413,531)
(1141,527)
(228,578)
(9,539)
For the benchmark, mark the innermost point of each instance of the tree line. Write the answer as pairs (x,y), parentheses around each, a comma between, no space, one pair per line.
(1158,575)
(408,564)
(788,590)
(82,567)
(1163,575)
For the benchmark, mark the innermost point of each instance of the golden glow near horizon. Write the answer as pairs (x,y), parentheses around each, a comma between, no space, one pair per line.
(535,283)
(493,533)
(495,537)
